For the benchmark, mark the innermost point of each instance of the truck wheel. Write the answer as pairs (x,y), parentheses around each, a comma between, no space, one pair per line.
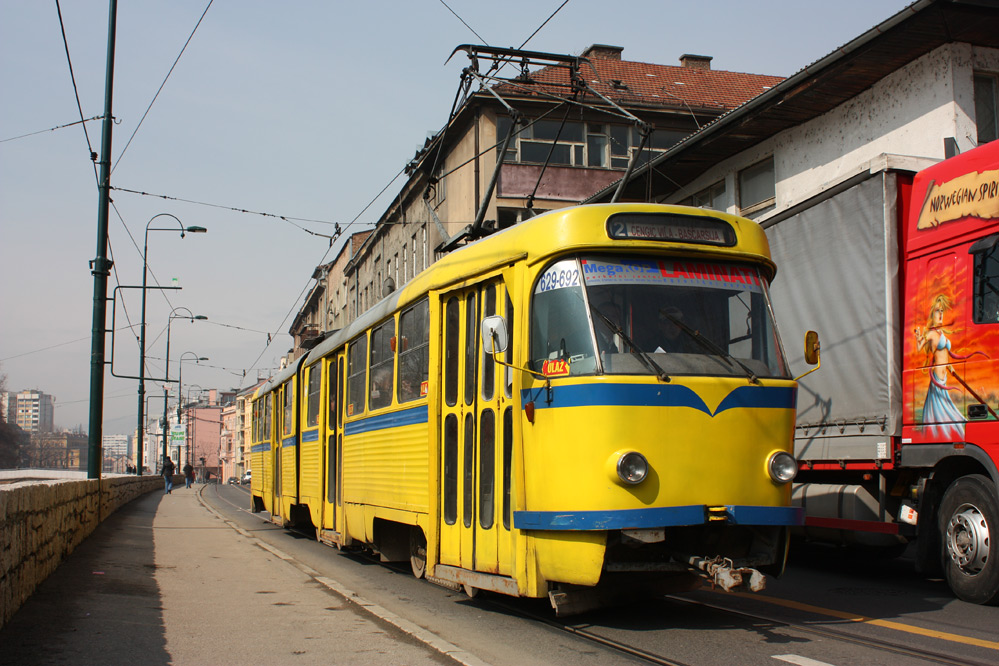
(969,527)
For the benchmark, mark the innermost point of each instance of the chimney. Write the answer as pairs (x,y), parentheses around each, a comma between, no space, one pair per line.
(695,61)
(603,51)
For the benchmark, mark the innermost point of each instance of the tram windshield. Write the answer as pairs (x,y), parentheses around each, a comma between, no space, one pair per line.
(643,315)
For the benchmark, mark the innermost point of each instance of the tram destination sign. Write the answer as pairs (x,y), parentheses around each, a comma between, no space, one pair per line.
(670,228)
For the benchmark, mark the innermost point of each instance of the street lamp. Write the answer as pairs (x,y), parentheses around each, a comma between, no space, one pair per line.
(142,326)
(166,418)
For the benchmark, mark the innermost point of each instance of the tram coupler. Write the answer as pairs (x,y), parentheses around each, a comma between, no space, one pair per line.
(723,573)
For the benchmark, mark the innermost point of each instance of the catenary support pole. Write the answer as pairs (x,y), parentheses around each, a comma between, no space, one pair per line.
(100,269)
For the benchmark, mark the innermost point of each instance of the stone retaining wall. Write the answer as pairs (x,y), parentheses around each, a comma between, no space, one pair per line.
(41,522)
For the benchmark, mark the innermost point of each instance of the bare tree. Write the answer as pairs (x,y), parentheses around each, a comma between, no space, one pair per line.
(10,436)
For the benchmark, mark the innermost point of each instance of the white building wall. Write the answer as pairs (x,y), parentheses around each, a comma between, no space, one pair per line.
(909,112)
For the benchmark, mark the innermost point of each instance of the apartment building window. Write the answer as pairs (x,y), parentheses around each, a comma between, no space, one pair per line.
(582,144)
(710,197)
(757,188)
(986,105)
(438,193)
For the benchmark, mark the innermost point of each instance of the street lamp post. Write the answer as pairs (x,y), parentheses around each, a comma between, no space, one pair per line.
(142,326)
(166,417)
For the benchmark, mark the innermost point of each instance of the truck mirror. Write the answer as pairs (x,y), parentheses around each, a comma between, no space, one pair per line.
(494,335)
(811,347)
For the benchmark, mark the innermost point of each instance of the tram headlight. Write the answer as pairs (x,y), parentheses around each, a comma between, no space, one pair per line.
(632,467)
(782,467)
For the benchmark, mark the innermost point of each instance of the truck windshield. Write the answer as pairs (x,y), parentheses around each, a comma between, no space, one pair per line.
(653,316)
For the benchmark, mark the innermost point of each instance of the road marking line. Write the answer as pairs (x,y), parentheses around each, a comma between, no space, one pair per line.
(888,624)
(800,661)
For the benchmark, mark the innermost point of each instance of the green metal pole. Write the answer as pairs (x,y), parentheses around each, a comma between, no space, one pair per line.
(101,268)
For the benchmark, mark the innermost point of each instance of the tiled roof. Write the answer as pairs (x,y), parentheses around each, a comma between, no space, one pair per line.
(645,84)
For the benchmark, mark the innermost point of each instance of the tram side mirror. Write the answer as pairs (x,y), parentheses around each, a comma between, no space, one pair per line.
(495,337)
(812,347)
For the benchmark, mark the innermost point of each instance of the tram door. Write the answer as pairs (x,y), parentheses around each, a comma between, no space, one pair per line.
(277,429)
(333,368)
(475,425)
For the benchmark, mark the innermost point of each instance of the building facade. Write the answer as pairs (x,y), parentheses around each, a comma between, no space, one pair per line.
(227,442)
(116,450)
(574,125)
(61,450)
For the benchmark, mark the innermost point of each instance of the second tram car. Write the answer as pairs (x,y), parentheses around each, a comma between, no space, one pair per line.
(589,404)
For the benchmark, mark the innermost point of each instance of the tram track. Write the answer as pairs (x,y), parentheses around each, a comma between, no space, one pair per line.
(585,633)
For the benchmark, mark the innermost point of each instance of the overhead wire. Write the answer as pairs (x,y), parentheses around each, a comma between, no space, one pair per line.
(543,24)
(272,336)
(51,347)
(464,23)
(160,89)
(286,218)
(76,92)
(51,129)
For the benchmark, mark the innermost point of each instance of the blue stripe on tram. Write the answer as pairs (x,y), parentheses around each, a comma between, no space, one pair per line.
(412,416)
(659,395)
(673,516)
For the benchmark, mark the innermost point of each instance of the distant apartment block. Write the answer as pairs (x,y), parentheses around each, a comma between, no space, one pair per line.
(32,411)
(116,445)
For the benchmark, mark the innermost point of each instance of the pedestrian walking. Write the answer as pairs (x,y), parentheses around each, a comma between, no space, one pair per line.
(167,473)
(188,474)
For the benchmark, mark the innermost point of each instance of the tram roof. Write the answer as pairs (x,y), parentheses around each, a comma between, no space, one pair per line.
(561,231)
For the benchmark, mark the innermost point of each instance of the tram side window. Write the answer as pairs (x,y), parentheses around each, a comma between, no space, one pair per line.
(986,297)
(451,351)
(414,351)
(382,360)
(267,418)
(488,364)
(451,469)
(471,346)
(312,410)
(289,408)
(508,383)
(333,390)
(357,357)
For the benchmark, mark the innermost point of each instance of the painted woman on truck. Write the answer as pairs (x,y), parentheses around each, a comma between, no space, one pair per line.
(939,412)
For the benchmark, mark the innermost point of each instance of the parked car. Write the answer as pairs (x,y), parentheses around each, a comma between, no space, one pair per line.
(246,478)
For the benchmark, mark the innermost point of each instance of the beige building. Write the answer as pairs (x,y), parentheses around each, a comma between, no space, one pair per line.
(574,124)
(62,450)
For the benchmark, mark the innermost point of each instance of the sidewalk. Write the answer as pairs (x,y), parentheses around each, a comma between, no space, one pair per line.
(165,581)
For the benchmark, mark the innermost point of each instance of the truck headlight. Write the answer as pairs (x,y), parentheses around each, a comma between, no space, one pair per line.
(782,467)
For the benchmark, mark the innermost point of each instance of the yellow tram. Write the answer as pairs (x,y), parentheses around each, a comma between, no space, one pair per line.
(589,404)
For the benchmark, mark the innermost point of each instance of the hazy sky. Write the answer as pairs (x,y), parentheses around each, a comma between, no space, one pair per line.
(299,109)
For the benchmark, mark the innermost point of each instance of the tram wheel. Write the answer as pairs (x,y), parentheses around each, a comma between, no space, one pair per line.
(969,527)
(417,552)
(470,592)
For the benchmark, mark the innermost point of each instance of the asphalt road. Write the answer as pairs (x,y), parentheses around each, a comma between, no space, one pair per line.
(829,608)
